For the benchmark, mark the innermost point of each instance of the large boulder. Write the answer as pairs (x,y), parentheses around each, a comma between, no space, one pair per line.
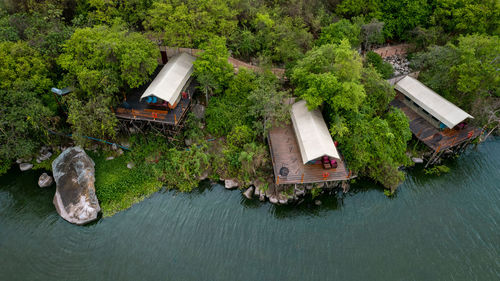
(75,197)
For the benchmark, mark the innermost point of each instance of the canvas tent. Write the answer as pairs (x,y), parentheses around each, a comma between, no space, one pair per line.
(437,106)
(172,79)
(313,136)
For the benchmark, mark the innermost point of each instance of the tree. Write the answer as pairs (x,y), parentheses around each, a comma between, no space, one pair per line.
(24,117)
(267,104)
(466,73)
(193,22)
(467,16)
(101,61)
(130,12)
(330,73)
(336,32)
(104,59)
(384,68)
(212,69)
(355,99)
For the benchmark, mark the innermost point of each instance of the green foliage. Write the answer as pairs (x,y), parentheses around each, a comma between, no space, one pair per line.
(384,68)
(231,109)
(465,73)
(212,69)
(330,73)
(336,32)
(91,118)
(267,104)
(104,59)
(191,23)
(270,34)
(437,170)
(131,12)
(372,140)
(240,135)
(24,117)
(467,16)
(315,192)
(118,187)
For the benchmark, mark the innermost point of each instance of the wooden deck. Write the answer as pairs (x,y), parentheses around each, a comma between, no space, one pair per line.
(431,136)
(285,153)
(144,112)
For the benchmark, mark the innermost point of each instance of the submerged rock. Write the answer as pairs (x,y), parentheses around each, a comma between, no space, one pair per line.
(248,193)
(230,184)
(273,199)
(75,197)
(25,166)
(45,180)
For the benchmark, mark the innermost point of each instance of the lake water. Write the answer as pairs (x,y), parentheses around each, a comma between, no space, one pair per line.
(435,228)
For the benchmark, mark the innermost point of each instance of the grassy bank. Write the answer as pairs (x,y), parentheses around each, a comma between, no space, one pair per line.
(118,187)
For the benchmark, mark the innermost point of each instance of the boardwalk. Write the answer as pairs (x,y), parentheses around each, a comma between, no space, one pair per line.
(285,153)
(432,137)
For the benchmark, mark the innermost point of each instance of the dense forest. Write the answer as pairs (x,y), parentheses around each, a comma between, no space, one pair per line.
(104,48)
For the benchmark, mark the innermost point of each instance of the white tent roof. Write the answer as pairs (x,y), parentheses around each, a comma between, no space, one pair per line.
(168,84)
(312,134)
(439,107)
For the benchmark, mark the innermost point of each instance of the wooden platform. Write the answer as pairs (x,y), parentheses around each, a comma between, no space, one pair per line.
(285,153)
(142,111)
(431,136)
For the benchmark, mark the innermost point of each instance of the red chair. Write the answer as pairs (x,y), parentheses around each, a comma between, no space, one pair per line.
(326,162)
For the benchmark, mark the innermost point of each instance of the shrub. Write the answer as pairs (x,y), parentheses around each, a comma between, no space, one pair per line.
(384,68)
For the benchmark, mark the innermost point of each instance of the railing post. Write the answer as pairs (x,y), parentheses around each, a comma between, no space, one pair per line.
(302,178)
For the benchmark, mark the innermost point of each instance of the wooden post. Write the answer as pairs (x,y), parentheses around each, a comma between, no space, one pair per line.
(302,178)
(175,119)
(278,180)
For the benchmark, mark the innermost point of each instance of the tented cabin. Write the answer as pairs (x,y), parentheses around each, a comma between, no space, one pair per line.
(434,120)
(173,79)
(312,134)
(434,108)
(304,151)
(163,102)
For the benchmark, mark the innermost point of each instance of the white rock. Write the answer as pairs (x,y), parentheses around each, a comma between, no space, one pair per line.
(417,160)
(230,184)
(273,199)
(130,165)
(317,202)
(110,158)
(25,166)
(262,197)
(45,180)
(248,193)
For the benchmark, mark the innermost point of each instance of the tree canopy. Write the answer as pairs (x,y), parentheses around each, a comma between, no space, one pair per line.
(193,22)
(372,137)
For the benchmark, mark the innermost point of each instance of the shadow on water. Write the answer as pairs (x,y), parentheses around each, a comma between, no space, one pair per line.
(328,201)
(26,195)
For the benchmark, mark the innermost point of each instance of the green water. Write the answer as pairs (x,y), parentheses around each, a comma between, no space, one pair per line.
(436,228)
